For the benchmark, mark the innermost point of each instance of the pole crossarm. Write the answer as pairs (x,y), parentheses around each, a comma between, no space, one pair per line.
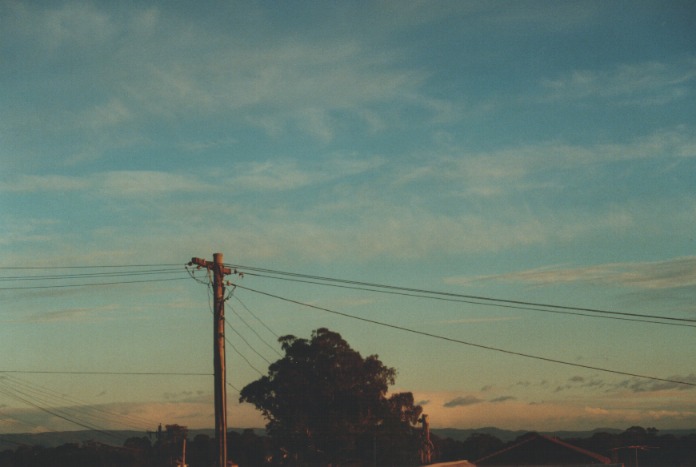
(211,265)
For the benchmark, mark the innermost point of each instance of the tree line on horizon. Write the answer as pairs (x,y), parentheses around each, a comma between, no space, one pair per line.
(249,449)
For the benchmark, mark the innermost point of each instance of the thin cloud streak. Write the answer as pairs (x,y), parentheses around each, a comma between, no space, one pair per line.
(668,274)
(510,171)
(462,401)
(629,83)
(72,315)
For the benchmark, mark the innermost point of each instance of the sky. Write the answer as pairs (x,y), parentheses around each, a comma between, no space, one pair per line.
(530,151)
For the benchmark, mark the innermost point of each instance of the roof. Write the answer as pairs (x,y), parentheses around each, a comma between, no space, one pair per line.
(452,464)
(539,449)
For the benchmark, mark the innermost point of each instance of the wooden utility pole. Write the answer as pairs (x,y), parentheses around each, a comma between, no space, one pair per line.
(219,271)
(426,450)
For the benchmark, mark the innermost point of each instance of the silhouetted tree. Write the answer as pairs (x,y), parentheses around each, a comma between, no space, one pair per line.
(322,396)
(248,449)
(140,448)
(634,435)
(201,452)
(169,444)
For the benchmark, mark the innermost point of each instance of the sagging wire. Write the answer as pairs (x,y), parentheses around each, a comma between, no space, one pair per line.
(209,286)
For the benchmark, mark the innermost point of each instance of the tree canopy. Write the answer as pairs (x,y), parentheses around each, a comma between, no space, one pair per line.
(324,402)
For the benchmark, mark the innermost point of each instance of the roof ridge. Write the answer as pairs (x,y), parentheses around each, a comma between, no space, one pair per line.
(531,437)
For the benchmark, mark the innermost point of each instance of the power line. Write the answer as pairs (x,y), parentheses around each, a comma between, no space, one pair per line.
(78,412)
(433,294)
(472,302)
(82,409)
(93,266)
(234,387)
(107,373)
(55,412)
(14,420)
(113,271)
(251,365)
(247,342)
(89,284)
(471,344)
(256,317)
(210,309)
(254,330)
(255,333)
(90,275)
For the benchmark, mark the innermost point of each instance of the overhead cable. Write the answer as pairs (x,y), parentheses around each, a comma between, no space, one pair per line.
(55,412)
(90,275)
(80,409)
(106,373)
(255,316)
(210,309)
(424,293)
(93,266)
(471,344)
(90,284)
(254,331)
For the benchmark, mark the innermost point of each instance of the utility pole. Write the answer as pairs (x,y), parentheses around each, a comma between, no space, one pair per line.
(426,450)
(219,271)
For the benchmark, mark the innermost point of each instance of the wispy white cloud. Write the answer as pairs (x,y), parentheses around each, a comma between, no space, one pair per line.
(288,174)
(673,273)
(650,83)
(154,63)
(288,86)
(113,183)
(34,183)
(512,170)
(72,314)
(271,176)
(26,231)
(478,320)
(266,176)
(138,183)
(64,25)
(376,229)
(104,115)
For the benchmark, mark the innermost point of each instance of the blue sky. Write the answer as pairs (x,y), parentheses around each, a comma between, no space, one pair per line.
(528,150)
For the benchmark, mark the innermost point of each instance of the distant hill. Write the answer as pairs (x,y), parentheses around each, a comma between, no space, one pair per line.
(57,438)
(113,438)
(458,434)
(117,438)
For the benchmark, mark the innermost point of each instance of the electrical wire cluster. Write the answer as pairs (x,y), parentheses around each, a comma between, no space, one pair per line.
(462,298)
(471,344)
(62,406)
(454,297)
(208,281)
(86,276)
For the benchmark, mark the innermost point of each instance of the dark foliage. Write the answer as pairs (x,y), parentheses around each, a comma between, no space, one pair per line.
(326,404)
(71,455)
(249,450)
